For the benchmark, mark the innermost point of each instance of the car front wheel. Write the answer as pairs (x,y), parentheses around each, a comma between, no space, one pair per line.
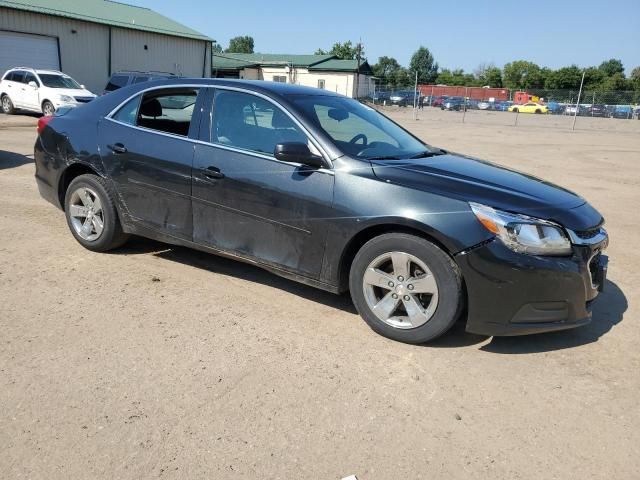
(47,108)
(406,288)
(7,105)
(91,214)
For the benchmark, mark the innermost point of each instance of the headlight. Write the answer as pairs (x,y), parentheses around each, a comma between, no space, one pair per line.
(523,234)
(67,99)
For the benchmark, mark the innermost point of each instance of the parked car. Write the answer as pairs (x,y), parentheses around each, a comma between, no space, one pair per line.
(595,111)
(571,110)
(380,96)
(404,98)
(124,78)
(555,108)
(529,107)
(41,91)
(438,101)
(502,106)
(622,111)
(453,103)
(443,233)
(484,105)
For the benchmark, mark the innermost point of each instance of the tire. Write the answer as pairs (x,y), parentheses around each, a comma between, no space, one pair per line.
(110,235)
(538,111)
(47,108)
(437,312)
(7,105)
(515,110)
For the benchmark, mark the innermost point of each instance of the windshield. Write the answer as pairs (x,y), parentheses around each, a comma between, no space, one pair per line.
(359,130)
(52,80)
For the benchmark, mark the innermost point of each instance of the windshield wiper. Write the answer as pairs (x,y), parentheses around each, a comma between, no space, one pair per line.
(427,153)
(385,157)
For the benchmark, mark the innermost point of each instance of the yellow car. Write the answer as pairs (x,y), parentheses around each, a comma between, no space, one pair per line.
(530,107)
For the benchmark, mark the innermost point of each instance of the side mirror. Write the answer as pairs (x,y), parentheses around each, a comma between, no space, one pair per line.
(33,84)
(298,153)
(82,86)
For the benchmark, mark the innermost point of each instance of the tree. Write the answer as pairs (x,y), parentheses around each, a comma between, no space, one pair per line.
(216,48)
(487,74)
(385,67)
(564,78)
(240,45)
(423,63)
(522,74)
(344,51)
(611,67)
(635,79)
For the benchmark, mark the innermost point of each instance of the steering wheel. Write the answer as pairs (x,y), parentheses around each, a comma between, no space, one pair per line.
(359,136)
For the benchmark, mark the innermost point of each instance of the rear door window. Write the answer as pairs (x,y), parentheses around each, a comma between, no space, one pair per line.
(140,79)
(18,76)
(169,111)
(116,82)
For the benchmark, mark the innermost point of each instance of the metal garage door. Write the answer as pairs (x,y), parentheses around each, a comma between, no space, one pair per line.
(24,50)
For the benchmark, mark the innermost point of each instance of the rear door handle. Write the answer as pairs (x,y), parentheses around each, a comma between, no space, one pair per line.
(117,148)
(212,172)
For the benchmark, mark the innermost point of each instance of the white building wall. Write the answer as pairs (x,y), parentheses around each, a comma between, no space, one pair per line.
(163,53)
(83,55)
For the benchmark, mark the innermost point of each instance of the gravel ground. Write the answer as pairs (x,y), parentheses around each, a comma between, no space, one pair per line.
(161,362)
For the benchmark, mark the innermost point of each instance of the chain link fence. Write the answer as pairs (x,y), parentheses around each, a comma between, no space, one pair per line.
(498,106)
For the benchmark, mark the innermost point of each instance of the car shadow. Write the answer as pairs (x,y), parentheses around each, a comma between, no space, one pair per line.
(234,268)
(608,310)
(13,160)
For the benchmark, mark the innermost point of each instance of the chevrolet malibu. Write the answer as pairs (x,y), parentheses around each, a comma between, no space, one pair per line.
(322,189)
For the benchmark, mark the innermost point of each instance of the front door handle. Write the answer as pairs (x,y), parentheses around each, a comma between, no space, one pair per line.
(212,172)
(117,148)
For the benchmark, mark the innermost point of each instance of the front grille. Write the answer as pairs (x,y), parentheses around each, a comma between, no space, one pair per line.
(83,99)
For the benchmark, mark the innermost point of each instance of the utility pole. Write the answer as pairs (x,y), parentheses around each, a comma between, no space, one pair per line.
(575,115)
(358,58)
(415,99)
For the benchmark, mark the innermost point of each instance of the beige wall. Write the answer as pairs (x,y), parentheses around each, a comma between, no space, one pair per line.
(338,82)
(182,56)
(85,54)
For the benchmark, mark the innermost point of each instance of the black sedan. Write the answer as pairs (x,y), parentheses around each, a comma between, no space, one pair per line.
(324,190)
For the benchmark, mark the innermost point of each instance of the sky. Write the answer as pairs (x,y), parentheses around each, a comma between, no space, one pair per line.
(460,34)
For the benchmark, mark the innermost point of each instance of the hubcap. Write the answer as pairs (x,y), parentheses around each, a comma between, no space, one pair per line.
(5,104)
(400,290)
(48,109)
(85,211)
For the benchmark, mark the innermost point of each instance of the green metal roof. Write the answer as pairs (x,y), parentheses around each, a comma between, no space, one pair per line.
(108,13)
(337,65)
(222,62)
(268,59)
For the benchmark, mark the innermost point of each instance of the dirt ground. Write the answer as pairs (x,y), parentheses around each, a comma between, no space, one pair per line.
(161,362)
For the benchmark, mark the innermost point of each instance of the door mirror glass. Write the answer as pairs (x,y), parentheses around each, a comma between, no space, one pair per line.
(82,86)
(33,84)
(298,153)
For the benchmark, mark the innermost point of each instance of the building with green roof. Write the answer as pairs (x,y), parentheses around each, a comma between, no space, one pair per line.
(91,39)
(321,71)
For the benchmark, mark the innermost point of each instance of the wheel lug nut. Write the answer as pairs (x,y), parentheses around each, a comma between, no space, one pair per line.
(406,298)
(400,278)
(410,287)
(391,284)
(394,295)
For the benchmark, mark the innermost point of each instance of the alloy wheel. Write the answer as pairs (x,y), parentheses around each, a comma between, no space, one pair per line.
(85,212)
(400,290)
(6,106)
(48,109)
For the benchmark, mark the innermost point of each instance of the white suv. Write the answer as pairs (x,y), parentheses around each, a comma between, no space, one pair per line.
(40,91)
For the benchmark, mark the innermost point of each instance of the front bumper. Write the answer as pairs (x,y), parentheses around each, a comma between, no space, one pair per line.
(515,294)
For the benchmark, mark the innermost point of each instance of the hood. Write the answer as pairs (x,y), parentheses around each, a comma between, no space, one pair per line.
(478,181)
(73,92)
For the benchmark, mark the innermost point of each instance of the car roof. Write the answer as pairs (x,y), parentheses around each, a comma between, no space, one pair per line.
(260,86)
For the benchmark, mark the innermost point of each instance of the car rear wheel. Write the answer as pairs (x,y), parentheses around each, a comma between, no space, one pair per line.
(538,110)
(515,110)
(7,105)
(406,288)
(91,214)
(47,108)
